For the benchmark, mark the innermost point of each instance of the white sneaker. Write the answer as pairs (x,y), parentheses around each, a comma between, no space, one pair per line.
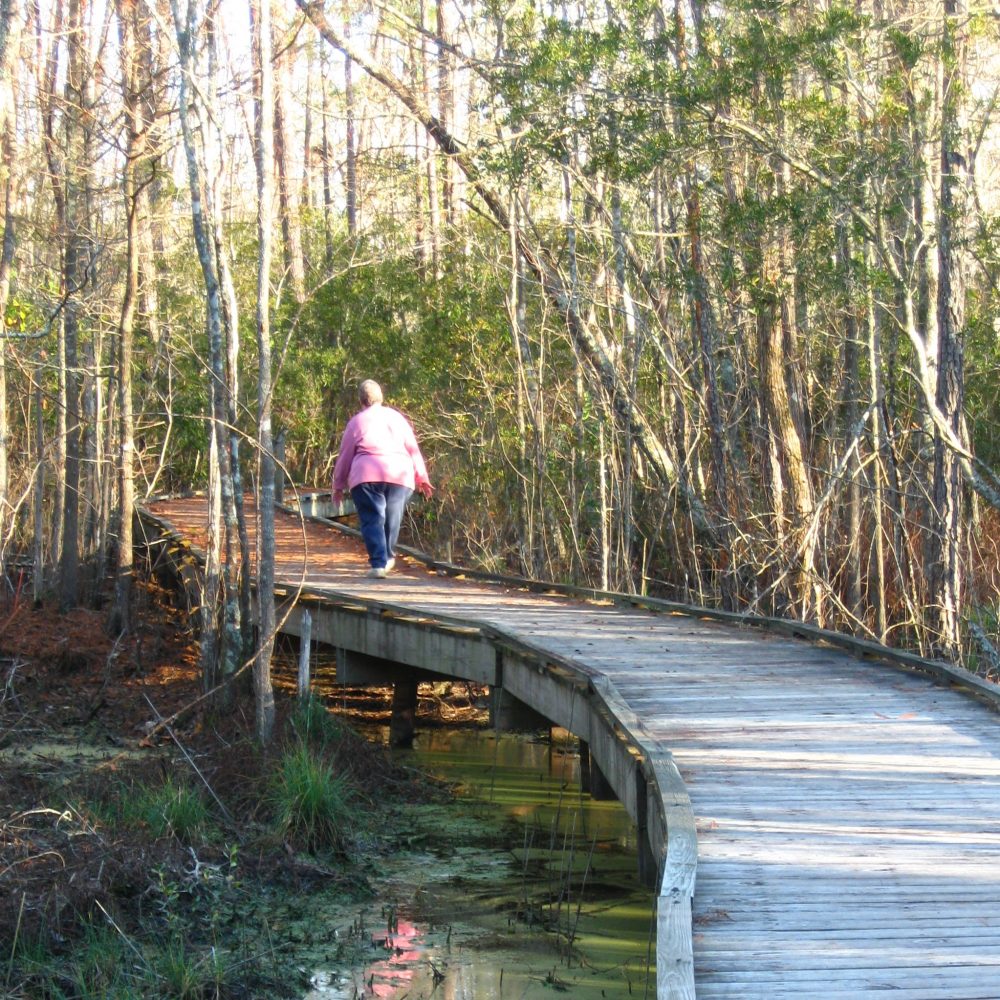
(389,565)
(376,573)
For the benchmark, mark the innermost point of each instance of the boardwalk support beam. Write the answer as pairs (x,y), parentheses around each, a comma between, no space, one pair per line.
(363,670)
(402,725)
(601,790)
(648,861)
(511,715)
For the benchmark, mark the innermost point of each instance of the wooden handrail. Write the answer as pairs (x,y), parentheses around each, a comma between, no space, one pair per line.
(941,670)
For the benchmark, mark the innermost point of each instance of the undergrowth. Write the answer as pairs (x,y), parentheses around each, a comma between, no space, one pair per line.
(175,858)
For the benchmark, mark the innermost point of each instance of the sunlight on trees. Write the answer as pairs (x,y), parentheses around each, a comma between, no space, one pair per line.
(688,299)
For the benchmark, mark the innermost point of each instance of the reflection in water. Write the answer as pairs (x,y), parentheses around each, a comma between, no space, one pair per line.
(535,780)
(553,907)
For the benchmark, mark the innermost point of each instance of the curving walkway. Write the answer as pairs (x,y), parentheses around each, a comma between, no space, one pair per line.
(847,810)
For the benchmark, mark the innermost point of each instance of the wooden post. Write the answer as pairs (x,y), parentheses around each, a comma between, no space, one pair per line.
(403,723)
(305,638)
(601,790)
(584,767)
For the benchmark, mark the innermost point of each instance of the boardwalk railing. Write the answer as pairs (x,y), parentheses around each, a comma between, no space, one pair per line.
(942,671)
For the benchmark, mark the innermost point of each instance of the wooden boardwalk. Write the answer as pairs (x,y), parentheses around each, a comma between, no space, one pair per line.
(847,810)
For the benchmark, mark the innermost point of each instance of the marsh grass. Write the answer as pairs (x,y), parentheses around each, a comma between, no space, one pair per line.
(171,809)
(312,804)
(184,974)
(100,966)
(103,964)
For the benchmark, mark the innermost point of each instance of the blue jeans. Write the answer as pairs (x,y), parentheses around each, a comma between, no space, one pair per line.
(380,509)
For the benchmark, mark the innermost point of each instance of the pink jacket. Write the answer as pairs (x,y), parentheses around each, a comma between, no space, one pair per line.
(379,446)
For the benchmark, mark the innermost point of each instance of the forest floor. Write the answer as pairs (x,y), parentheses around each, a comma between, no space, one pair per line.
(145,862)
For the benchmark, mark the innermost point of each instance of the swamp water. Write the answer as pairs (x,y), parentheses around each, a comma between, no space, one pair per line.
(536,895)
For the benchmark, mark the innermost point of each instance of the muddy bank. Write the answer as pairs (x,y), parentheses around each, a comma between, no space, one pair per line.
(132,867)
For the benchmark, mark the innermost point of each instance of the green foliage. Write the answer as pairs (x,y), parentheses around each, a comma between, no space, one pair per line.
(311,804)
(167,810)
(23,316)
(380,316)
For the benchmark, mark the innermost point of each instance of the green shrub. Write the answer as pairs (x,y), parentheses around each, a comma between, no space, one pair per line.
(311,803)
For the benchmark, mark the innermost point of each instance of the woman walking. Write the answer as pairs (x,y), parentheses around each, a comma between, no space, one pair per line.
(380,463)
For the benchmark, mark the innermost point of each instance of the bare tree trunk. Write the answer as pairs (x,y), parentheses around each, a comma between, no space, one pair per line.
(74,278)
(327,186)
(879,505)
(129,15)
(525,386)
(264,157)
(945,572)
(9,44)
(237,616)
(446,100)
(431,160)
(419,220)
(291,231)
(850,405)
(93,470)
(149,285)
(152,97)
(786,445)
(6,262)
(186,24)
(604,509)
(784,409)
(10,28)
(308,157)
(351,151)
(38,500)
(46,66)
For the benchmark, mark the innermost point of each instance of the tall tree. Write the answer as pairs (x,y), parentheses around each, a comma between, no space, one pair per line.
(948,548)
(291,230)
(10,34)
(130,14)
(75,268)
(260,13)
(216,651)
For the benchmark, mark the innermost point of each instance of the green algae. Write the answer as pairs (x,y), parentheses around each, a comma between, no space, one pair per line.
(523,888)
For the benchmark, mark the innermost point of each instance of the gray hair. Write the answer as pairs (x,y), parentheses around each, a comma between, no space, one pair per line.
(369,392)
